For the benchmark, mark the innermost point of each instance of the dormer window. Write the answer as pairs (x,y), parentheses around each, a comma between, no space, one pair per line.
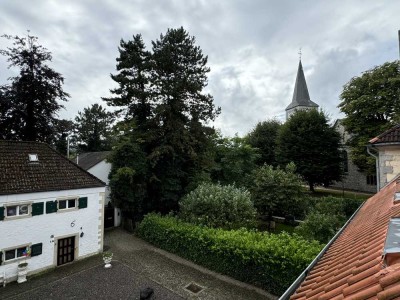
(33,157)
(391,251)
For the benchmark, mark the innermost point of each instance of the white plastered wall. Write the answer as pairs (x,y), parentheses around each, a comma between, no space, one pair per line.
(47,228)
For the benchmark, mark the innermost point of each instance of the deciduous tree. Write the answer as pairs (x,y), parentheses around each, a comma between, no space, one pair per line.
(313,145)
(371,103)
(263,137)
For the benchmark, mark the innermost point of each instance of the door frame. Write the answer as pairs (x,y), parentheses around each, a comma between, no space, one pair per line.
(76,252)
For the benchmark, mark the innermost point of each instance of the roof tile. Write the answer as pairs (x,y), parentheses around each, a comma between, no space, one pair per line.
(352,267)
(52,171)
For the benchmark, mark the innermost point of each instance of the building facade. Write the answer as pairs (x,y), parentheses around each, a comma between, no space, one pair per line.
(51,211)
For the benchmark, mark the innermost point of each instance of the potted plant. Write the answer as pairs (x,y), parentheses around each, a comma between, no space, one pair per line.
(107,258)
(22,272)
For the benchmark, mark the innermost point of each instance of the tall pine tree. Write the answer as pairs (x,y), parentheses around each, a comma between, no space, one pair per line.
(29,103)
(165,109)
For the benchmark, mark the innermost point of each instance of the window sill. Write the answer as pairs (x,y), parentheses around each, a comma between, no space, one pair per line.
(64,210)
(12,218)
(16,260)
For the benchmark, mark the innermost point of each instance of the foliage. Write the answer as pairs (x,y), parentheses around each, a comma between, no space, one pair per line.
(234,160)
(277,191)
(313,145)
(128,179)
(63,130)
(320,227)
(161,94)
(93,129)
(263,137)
(371,105)
(327,216)
(215,205)
(269,261)
(29,103)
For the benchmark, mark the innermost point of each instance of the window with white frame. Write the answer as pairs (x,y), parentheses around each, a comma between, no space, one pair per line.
(17,210)
(67,203)
(16,253)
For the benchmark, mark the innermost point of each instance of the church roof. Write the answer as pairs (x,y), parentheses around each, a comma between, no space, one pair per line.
(301,96)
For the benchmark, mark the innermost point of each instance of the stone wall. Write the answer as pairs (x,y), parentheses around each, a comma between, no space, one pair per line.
(389,163)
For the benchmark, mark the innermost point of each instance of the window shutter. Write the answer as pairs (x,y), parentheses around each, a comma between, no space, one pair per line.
(1,258)
(83,202)
(1,213)
(37,209)
(36,249)
(51,207)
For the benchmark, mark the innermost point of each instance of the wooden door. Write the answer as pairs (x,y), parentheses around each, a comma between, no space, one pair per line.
(65,250)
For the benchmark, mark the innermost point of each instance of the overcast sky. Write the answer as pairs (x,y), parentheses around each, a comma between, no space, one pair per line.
(252,46)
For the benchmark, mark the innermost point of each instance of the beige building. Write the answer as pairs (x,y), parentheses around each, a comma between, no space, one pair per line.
(387,151)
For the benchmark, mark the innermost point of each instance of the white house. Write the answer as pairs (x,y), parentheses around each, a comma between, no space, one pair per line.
(96,163)
(51,210)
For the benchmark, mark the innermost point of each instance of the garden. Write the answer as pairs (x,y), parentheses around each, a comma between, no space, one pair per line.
(264,234)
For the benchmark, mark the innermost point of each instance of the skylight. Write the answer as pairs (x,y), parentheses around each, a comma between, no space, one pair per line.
(33,157)
(391,251)
(396,196)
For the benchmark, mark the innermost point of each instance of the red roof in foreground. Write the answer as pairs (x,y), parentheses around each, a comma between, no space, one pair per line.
(389,136)
(352,267)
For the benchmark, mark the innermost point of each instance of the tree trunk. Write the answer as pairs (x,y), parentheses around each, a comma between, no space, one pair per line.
(311,185)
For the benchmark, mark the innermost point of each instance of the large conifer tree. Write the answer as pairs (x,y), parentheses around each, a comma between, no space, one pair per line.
(29,103)
(161,93)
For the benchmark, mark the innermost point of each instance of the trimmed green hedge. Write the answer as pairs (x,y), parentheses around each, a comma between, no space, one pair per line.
(270,261)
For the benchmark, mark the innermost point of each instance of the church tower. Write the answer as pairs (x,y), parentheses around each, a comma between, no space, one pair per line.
(301,99)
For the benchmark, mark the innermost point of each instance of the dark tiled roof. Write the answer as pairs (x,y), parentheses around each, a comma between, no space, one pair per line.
(301,96)
(52,171)
(389,136)
(352,267)
(90,159)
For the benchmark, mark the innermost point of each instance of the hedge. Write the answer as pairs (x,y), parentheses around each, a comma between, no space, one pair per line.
(269,261)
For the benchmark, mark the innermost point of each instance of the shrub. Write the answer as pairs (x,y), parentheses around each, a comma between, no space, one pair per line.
(320,227)
(278,191)
(270,261)
(215,205)
(328,215)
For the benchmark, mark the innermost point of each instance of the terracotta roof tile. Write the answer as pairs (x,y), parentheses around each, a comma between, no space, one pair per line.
(51,172)
(352,267)
(389,136)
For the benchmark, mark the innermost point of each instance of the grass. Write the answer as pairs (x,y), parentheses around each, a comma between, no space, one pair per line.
(321,192)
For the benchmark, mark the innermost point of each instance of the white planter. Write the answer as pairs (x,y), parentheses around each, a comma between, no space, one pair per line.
(22,271)
(107,262)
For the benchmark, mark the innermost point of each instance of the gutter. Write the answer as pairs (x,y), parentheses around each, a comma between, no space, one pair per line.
(286,295)
(378,177)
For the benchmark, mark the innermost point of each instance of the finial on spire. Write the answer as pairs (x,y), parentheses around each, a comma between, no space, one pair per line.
(299,53)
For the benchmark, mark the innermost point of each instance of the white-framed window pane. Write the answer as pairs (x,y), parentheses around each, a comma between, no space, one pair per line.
(21,251)
(23,209)
(10,254)
(62,204)
(11,211)
(71,203)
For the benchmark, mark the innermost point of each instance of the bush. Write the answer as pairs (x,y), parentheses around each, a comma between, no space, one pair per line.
(328,215)
(270,261)
(215,205)
(278,191)
(320,227)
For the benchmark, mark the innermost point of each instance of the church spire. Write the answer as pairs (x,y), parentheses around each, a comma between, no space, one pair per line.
(301,97)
